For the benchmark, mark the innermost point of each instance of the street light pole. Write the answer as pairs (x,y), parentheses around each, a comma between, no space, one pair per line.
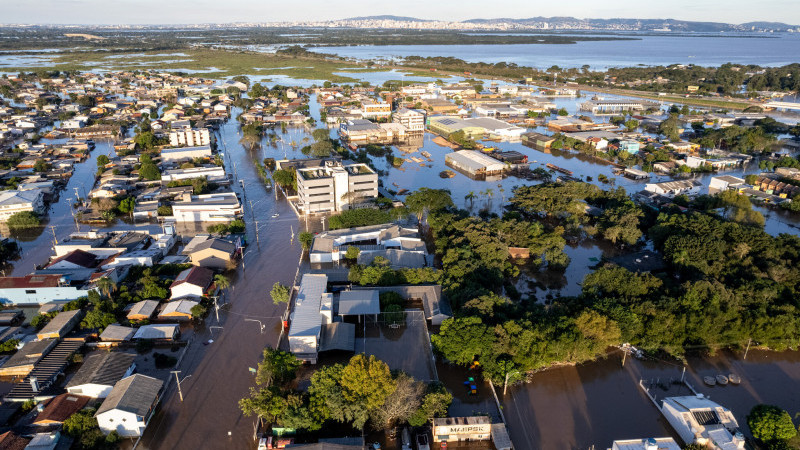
(178,382)
(259,324)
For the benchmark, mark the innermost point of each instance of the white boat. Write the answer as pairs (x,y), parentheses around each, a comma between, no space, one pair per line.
(698,420)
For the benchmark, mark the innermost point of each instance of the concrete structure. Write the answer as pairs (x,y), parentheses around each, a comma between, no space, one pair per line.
(212,174)
(100,372)
(475,163)
(333,186)
(673,188)
(313,307)
(189,137)
(219,207)
(331,246)
(616,106)
(698,420)
(454,429)
(129,406)
(38,290)
(174,155)
(12,202)
(413,121)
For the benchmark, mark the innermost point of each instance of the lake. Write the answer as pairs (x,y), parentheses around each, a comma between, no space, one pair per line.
(705,50)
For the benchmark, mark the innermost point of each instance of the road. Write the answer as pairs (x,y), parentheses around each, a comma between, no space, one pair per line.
(209,416)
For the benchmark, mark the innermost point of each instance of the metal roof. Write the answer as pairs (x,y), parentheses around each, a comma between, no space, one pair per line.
(359,303)
(307,319)
(135,394)
(156,332)
(104,368)
(338,336)
(116,332)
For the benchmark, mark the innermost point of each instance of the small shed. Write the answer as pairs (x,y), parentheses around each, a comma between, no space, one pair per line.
(338,336)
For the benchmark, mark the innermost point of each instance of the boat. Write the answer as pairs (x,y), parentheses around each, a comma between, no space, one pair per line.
(696,419)
(734,379)
(275,215)
(722,380)
(709,380)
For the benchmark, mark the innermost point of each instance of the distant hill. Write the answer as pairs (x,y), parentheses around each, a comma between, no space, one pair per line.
(389,17)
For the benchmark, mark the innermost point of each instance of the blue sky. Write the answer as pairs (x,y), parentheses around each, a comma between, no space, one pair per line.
(223,11)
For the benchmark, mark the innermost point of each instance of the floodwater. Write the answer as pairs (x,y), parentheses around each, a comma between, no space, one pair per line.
(593,404)
(703,50)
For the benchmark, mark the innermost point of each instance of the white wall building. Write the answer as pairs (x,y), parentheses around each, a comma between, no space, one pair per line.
(37,290)
(219,207)
(412,120)
(190,137)
(129,406)
(169,155)
(12,202)
(673,188)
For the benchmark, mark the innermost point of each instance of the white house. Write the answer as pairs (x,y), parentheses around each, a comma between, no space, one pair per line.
(99,372)
(12,202)
(129,406)
(38,290)
(673,188)
(191,283)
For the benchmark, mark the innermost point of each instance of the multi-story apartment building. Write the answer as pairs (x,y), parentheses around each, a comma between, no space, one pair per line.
(375,110)
(333,186)
(189,137)
(412,120)
(219,207)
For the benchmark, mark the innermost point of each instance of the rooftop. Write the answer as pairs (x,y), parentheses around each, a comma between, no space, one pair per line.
(135,394)
(104,368)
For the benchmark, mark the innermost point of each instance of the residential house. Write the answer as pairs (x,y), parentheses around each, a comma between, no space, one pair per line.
(160,332)
(38,289)
(142,310)
(180,310)
(115,334)
(59,408)
(129,406)
(213,253)
(673,188)
(60,325)
(191,283)
(100,372)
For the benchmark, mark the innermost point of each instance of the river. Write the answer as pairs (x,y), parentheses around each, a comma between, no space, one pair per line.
(705,50)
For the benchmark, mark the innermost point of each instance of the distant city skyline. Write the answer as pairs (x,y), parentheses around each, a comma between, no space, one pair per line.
(155,12)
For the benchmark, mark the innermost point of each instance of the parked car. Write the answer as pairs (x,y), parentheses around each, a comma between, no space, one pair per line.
(405,437)
(422,442)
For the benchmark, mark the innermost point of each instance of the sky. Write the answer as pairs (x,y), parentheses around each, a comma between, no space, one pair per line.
(114,12)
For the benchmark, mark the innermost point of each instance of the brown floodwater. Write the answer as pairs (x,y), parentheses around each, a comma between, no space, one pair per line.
(593,404)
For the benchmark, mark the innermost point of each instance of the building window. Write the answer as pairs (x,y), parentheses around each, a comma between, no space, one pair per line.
(30,291)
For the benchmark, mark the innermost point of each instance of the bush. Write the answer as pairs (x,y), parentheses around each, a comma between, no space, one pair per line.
(199,311)
(9,346)
(40,320)
(23,220)
(769,423)
(165,210)
(359,218)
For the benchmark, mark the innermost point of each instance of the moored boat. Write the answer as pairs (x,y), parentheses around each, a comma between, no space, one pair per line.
(734,379)
(722,380)
(711,381)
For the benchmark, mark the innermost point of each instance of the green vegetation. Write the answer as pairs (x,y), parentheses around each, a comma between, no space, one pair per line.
(771,425)
(359,218)
(279,293)
(199,185)
(83,427)
(9,346)
(97,320)
(380,274)
(285,178)
(362,391)
(306,239)
(40,320)
(23,220)
(199,311)
(149,171)
(234,227)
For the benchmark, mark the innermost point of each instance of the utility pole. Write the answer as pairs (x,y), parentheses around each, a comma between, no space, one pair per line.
(216,307)
(53,229)
(257,241)
(748,348)
(178,382)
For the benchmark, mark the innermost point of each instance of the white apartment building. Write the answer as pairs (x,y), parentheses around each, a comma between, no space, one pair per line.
(12,202)
(332,186)
(190,137)
(375,110)
(412,120)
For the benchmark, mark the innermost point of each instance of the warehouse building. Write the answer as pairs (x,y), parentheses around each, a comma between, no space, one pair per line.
(475,163)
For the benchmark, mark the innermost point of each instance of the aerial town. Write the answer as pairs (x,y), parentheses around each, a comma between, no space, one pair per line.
(420,258)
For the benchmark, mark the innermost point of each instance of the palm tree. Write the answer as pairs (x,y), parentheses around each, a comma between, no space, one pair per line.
(488,193)
(106,286)
(471,198)
(221,281)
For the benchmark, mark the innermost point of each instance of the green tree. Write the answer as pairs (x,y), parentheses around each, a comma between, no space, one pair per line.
(426,199)
(23,220)
(102,160)
(366,382)
(106,286)
(41,166)
(127,205)
(277,367)
(199,311)
(306,239)
(770,423)
(97,319)
(83,427)
(352,253)
(279,293)
(149,171)
(631,124)
(221,281)
(669,128)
